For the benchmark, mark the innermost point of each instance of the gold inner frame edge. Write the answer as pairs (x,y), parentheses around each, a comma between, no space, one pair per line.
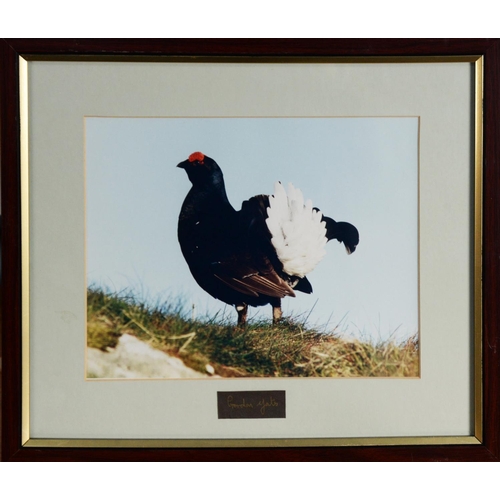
(203,443)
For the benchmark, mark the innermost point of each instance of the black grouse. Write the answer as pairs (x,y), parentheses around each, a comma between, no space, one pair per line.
(259,254)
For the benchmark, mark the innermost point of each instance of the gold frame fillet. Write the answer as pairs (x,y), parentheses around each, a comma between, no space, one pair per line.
(476,438)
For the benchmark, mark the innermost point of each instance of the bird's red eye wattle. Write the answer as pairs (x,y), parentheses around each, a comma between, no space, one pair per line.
(196,157)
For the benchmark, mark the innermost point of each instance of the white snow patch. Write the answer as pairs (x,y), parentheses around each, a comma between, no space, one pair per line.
(132,358)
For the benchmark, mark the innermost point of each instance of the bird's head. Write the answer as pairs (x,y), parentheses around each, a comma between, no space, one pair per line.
(202,170)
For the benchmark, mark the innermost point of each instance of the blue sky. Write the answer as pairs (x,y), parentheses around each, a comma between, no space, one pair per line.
(360,170)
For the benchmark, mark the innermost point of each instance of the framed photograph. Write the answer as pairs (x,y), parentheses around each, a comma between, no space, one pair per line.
(211,247)
(255,268)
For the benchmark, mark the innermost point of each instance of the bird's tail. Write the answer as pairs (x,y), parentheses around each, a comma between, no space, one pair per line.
(298,233)
(342,231)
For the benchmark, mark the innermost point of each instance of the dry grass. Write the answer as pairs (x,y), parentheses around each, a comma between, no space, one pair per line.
(259,350)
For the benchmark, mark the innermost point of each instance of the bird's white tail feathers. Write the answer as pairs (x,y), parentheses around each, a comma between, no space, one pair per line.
(298,235)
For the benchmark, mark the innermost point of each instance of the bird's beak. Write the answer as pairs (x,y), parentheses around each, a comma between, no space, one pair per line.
(182,164)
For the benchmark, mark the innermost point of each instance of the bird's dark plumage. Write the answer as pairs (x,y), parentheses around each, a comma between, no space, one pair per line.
(231,253)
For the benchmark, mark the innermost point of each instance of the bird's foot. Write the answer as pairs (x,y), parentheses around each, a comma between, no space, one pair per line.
(242,310)
(277,314)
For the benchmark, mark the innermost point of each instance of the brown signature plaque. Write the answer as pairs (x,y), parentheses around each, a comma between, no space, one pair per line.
(251,404)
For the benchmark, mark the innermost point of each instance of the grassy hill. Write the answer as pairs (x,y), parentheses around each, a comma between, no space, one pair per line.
(259,350)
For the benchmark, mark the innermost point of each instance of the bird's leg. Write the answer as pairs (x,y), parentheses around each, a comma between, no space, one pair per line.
(242,310)
(277,312)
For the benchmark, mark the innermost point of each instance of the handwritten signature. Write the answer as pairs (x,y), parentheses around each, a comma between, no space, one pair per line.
(262,404)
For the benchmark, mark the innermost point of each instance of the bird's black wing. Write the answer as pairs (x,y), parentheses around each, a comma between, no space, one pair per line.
(255,269)
(252,275)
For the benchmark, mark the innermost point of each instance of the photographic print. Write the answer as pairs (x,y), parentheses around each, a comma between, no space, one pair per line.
(252,247)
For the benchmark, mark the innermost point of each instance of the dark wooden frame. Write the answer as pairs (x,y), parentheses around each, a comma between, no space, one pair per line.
(10,49)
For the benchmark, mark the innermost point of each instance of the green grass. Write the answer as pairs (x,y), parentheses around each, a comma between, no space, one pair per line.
(259,350)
